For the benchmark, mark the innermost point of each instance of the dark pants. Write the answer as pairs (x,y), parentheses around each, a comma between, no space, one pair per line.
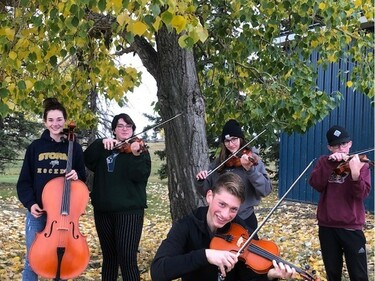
(336,242)
(119,236)
(252,223)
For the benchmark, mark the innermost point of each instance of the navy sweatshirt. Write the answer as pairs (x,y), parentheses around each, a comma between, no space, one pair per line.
(46,159)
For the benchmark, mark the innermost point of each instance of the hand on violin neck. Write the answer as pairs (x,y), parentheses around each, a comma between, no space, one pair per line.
(109,143)
(355,166)
(338,157)
(136,148)
(247,161)
(224,260)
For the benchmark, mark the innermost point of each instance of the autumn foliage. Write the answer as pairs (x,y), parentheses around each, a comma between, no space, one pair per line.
(292,227)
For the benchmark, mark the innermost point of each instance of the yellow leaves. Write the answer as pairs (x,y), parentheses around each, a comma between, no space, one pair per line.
(179,23)
(80,42)
(116,5)
(29,84)
(23,43)
(199,33)
(37,51)
(157,24)
(131,71)
(288,74)
(8,32)
(296,115)
(357,3)
(242,73)
(331,58)
(123,18)
(52,51)
(139,28)
(314,44)
(12,55)
(349,12)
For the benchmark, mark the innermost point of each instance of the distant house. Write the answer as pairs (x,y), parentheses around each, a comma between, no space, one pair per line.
(355,113)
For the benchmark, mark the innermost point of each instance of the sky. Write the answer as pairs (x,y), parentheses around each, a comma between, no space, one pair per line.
(140,100)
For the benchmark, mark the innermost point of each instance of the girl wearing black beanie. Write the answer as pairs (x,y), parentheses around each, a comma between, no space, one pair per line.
(251,170)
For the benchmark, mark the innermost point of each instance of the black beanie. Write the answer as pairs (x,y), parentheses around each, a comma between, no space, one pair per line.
(231,129)
(336,135)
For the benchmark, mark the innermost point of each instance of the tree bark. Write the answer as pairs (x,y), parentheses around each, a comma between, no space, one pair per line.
(178,91)
(185,136)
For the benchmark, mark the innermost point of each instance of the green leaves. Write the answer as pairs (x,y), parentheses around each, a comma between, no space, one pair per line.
(256,60)
(253,56)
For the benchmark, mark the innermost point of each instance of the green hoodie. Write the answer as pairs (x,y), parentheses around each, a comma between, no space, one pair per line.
(123,189)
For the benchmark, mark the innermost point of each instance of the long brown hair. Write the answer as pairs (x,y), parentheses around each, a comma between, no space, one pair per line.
(225,153)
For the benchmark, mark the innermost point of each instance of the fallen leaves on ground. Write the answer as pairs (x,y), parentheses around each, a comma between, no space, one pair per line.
(292,227)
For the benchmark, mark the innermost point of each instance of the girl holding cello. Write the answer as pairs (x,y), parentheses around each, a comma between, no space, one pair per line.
(121,167)
(45,159)
(247,165)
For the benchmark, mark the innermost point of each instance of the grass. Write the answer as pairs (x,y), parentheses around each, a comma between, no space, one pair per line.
(7,189)
(156,162)
(11,173)
(9,177)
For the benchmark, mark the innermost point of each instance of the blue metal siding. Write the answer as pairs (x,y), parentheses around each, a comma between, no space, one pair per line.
(355,113)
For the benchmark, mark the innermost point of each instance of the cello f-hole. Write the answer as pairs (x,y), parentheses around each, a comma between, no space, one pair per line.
(75,236)
(47,235)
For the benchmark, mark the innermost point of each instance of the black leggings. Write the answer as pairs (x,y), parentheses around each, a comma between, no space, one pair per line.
(119,236)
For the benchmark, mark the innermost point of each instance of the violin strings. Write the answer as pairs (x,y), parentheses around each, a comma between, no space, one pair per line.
(263,253)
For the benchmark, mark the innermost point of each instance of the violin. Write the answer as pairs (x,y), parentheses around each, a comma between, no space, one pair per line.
(125,146)
(344,167)
(259,253)
(235,161)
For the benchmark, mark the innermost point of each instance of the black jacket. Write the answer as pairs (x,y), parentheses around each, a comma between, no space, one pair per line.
(182,253)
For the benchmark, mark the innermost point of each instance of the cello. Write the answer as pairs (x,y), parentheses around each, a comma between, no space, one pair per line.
(60,251)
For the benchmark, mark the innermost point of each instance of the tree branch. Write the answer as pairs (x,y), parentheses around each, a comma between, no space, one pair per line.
(147,54)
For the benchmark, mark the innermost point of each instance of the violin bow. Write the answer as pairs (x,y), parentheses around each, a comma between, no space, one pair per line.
(134,136)
(234,154)
(363,151)
(247,242)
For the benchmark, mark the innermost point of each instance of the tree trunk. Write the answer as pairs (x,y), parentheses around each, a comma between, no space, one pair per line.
(185,136)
